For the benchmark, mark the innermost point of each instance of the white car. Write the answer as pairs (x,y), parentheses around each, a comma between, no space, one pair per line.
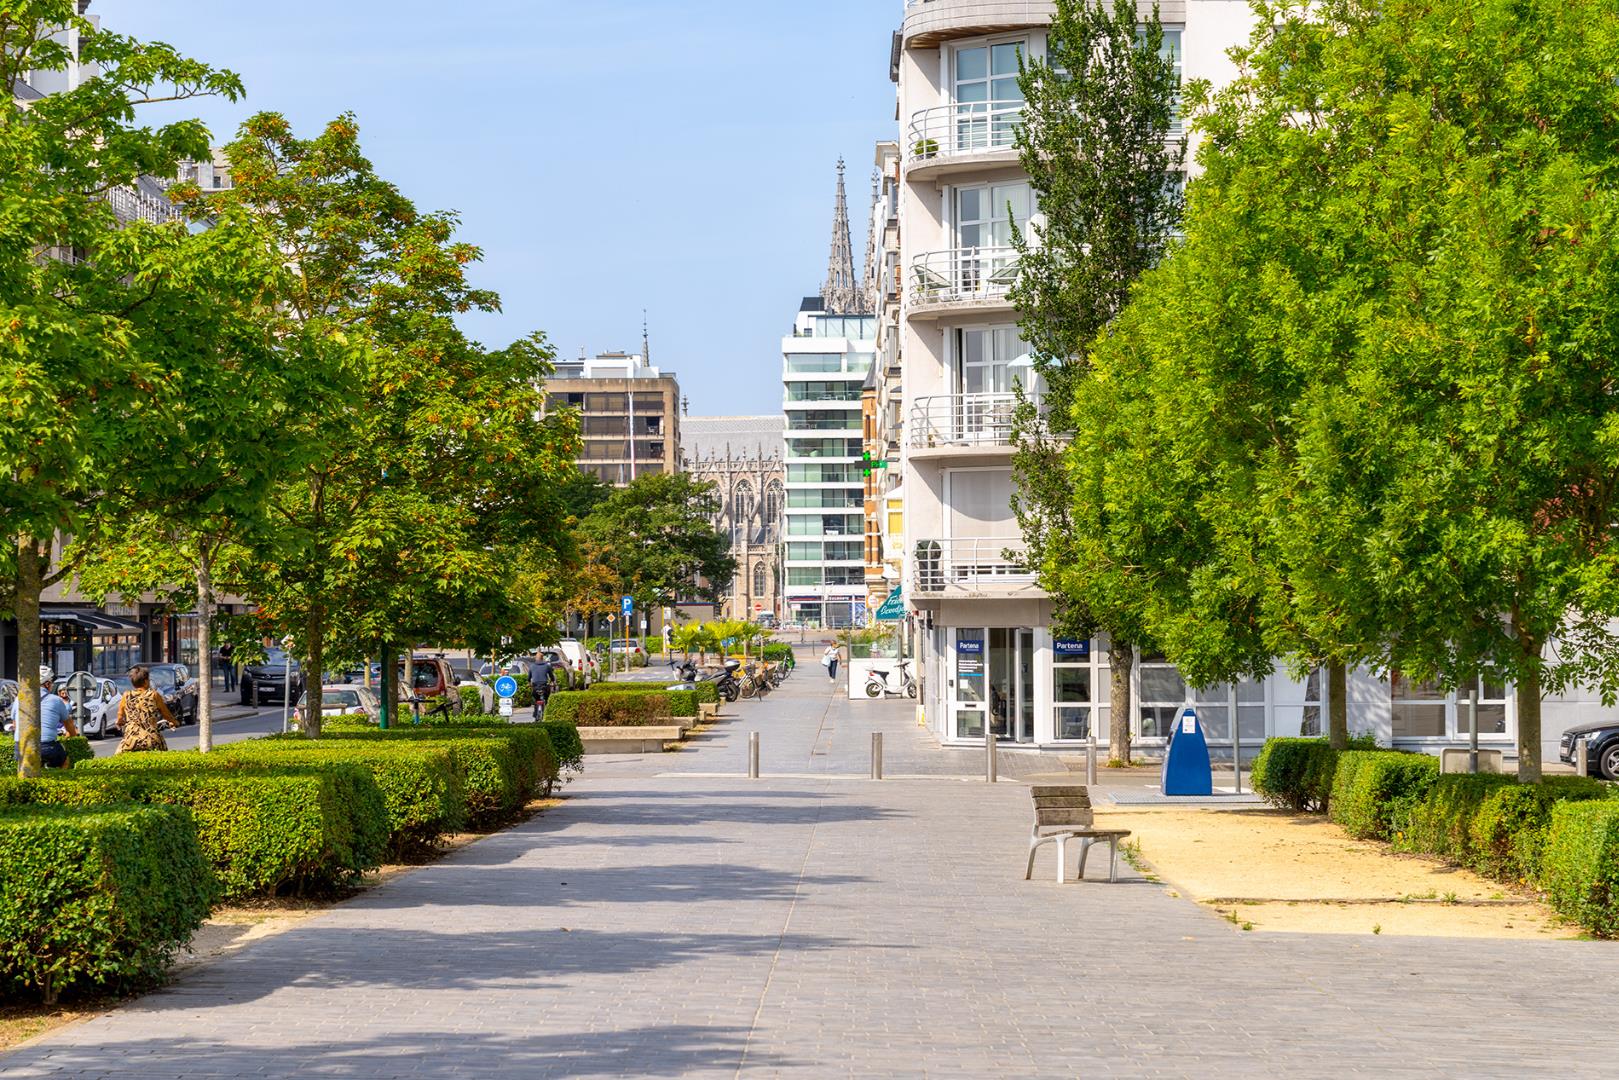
(98,717)
(342,700)
(581,659)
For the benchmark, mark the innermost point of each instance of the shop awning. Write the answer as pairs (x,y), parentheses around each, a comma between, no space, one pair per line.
(94,621)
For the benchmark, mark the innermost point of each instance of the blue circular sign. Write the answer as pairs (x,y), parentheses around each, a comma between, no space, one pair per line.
(506,686)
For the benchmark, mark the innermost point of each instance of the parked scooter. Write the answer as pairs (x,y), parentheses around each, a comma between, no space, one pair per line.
(724,680)
(877,681)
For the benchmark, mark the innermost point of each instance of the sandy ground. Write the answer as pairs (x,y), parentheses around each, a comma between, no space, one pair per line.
(1271,870)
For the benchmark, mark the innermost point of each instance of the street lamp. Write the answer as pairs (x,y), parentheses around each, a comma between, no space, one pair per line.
(286,683)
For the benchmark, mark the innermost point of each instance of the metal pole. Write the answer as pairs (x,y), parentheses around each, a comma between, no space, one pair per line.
(1236,735)
(1472,731)
(1090,759)
(1582,756)
(989,750)
(753,755)
(286,691)
(876,755)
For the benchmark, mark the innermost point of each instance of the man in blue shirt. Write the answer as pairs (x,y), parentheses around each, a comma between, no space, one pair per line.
(55,718)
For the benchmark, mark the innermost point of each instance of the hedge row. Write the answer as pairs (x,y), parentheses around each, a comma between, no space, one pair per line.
(1560,835)
(264,830)
(77,746)
(707,691)
(97,898)
(612,708)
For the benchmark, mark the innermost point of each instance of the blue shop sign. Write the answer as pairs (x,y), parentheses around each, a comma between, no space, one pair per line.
(1072,648)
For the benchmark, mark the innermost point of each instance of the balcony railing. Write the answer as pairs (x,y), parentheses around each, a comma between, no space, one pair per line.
(963,274)
(963,127)
(968,564)
(964,420)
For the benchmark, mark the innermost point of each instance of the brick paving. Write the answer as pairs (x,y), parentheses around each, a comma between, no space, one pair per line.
(666,921)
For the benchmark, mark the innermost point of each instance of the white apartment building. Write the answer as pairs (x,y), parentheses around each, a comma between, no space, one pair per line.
(986,650)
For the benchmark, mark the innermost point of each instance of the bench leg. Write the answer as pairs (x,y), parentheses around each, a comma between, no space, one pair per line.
(1034,844)
(1113,863)
(1062,856)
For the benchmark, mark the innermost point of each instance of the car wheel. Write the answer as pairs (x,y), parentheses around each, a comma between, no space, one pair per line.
(1608,762)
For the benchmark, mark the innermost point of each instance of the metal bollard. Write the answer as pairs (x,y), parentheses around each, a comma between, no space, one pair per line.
(989,752)
(1236,736)
(753,755)
(1472,731)
(1090,759)
(876,755)
(1582,756)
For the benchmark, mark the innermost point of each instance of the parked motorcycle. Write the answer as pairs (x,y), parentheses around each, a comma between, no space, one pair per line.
(724,680)
(877,681)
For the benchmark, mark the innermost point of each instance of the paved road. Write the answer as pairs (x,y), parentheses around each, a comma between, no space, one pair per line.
(667,921)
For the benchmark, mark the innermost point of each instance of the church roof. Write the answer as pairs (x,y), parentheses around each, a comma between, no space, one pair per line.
(704,437)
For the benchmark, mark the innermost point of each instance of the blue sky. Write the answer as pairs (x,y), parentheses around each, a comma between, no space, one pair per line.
(608,155)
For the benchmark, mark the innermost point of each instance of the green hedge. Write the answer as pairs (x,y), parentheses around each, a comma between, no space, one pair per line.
(96,899)
(504,765)
(1295,774)
(1375,791)
(565,742)
(701,692)
(1580,869)
(264,830)
(77,746)
(607,708)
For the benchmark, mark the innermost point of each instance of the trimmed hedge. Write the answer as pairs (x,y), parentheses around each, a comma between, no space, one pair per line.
(264,830)
(504,765)
(1375,791)
(1580,868)
(566,744)
(77,746)
(96,899)
(607,708)
(1295,774)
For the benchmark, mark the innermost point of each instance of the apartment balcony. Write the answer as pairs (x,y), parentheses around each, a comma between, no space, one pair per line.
(963,425)
(929,22)
(971,566)
(965,135)
(975,280)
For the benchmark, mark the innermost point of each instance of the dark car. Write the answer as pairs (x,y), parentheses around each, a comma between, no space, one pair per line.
(178,688)
(267,681)
(1602,747)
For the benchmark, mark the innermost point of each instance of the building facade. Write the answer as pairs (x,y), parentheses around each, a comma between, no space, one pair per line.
(742,457)
(629,414)
(882,405)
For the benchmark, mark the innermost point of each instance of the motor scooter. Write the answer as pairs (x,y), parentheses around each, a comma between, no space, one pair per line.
(877,681)
(724,680)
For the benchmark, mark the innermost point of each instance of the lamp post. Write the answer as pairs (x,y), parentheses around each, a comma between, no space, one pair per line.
(286,683)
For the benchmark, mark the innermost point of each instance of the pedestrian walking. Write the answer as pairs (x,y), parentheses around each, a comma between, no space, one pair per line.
(55,717)
(830,658)
(227,660)
(140,712)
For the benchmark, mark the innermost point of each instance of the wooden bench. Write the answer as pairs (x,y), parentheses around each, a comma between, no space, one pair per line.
(1066,808)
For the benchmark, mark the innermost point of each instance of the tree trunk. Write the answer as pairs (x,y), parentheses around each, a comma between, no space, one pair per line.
(314,676)
(1121,657)
(1527,698)
(1338,705)
(28,659)
(205,652)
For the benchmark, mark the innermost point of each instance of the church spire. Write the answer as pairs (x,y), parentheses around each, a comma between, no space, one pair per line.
(841,293)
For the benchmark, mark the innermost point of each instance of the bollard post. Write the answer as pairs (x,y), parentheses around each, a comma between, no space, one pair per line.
(1236,737)
(1090,760)
(876,755)
(989,750)
(1472,731)
(1582,756)
(753,755)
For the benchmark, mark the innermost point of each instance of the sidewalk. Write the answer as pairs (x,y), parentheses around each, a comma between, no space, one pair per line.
(665,921)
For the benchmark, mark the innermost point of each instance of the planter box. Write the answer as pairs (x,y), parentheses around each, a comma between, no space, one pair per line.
(707,710)
(629,740)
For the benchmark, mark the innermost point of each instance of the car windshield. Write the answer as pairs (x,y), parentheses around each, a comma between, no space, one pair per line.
(339,697)
(163,678)
(121,683)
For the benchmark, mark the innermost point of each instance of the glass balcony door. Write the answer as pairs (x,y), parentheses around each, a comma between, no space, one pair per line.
(988,100)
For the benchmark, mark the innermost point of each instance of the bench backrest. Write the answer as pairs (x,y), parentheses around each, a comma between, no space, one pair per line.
(1061,804)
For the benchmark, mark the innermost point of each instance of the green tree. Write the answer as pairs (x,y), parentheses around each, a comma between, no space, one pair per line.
(85,301)
(657,535)
(1096,141)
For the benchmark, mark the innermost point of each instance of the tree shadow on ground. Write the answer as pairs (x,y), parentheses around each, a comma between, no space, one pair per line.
(650,1050)
(634,809)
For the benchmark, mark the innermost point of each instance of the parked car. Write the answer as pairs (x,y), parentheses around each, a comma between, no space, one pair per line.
(178,688)
(8,694)
(266,681)
(580,660)
(433,679)
(102,718)
(1602,747)
(347,701)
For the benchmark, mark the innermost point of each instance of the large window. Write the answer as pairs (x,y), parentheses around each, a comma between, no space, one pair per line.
(980,503)
(804,551)
(830,498)
(823,448)
(823,391)
(990,359)
(984,215)
(825,525)
(1418,708)
(600,403)
(1163,695)
(804,575)
(1079,688)
(989,101)
(824,420)
(814,363)
(813,473)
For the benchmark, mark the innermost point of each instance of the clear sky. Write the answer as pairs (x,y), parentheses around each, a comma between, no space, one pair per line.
(607,155)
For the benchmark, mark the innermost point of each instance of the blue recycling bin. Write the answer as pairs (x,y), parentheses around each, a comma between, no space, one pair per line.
(1186,763)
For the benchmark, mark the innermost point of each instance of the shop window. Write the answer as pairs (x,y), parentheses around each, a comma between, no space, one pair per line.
(1163,696)
(1418,708)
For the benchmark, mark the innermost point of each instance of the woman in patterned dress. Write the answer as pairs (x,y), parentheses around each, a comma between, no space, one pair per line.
(139,711)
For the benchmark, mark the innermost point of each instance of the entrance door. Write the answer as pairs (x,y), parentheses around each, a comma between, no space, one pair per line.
(994,683)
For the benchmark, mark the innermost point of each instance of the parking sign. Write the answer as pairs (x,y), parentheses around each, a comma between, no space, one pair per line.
(627,605)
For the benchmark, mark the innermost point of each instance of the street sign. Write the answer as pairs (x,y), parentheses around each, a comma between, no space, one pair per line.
(506,686)
(627,605)
(892,609)
(505,706)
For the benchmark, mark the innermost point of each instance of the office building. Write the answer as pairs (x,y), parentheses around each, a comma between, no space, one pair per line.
(629,414)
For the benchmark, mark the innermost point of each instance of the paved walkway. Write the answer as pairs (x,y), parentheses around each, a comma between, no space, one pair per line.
(667,922)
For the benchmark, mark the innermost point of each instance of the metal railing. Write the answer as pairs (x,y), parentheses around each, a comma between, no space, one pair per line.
(979,273)
(962,127)
(967,564)
(964,419)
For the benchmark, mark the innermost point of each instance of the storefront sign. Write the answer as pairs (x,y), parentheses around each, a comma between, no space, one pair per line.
(970,659)
(1072,648)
